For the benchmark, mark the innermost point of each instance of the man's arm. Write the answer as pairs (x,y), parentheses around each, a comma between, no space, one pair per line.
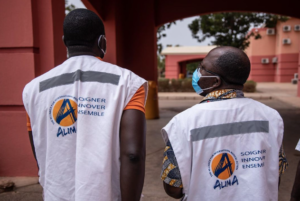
(132,153)
(295,196)
(170,173)
(174,192)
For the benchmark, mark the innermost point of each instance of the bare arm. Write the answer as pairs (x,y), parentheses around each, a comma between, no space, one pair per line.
(132,153)
(174,192)
(295,196)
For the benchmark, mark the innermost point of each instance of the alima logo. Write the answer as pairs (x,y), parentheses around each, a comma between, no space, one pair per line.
(65,112)
(223,165)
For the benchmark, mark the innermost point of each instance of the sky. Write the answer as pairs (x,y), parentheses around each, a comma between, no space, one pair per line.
(178,34)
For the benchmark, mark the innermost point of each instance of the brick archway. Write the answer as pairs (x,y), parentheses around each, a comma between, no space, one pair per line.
(176,64)
(133,39)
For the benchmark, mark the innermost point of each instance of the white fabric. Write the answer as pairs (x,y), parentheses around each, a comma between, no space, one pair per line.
(298,146)
(195,157)
(84,165)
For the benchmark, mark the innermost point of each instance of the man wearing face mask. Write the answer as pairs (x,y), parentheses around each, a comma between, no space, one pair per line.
(86,120)
(227,147)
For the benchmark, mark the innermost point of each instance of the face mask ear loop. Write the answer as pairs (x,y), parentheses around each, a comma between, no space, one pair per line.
(99,41)
(207,88)
(209,77)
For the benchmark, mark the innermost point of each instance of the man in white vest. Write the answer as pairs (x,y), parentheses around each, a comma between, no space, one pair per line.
(86,120)
(227,147)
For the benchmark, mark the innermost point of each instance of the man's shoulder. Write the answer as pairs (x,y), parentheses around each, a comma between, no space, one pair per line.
(264,108)
(91,63)
(36,81)
(187,114)
(242,103)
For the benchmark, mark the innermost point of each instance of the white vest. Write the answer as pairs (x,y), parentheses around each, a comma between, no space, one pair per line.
(75,111)
(227,150)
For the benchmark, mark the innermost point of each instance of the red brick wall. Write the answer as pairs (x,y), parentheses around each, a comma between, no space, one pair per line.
(30,44)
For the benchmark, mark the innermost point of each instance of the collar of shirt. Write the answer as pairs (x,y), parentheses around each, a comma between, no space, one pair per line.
(222,94)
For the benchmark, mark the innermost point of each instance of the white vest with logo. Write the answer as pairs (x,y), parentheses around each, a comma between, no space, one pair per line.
(227,150)
(75,111)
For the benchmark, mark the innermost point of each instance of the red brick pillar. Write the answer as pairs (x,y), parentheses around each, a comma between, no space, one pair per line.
(131,40)
(131,34)
(30,44)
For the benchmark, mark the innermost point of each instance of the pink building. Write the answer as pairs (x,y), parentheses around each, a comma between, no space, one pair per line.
(176,58)
(275,56)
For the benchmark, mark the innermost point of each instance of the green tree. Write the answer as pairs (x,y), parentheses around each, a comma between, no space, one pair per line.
(69,7)
(232,28)
(161,59)
(161,33)
(161,66)
(191,67)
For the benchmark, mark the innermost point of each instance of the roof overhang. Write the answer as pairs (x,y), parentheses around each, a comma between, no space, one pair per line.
(187,50)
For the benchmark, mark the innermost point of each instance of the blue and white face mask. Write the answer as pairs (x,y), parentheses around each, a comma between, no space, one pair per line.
(196,77)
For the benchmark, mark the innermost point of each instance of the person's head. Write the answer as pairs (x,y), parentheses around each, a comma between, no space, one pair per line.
(84,33)
(229,66)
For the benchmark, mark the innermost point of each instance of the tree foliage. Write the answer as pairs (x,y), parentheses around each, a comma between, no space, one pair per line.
(191,67)
(161,59)
(231,28)
(161,33)
(161,66)
(69,7)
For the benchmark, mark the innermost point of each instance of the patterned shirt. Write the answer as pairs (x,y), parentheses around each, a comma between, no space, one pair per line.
(283,164)
(170,172)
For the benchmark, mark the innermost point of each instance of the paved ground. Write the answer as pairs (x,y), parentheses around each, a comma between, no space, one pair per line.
(279,96)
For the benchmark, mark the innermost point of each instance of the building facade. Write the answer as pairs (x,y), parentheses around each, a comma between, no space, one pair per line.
(176,59)
(275,57)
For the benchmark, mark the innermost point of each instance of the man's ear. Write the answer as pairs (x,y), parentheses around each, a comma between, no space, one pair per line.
(218,82)
(63,38)
(102,45)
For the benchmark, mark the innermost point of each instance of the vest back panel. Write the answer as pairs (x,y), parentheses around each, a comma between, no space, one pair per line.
(227,150)
(75,111)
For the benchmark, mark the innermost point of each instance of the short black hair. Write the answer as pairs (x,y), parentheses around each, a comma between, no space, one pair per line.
(82,27)
(234,66)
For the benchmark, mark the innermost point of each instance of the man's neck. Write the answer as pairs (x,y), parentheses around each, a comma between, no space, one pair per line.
(237,87)
(81,54)
(78,51)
